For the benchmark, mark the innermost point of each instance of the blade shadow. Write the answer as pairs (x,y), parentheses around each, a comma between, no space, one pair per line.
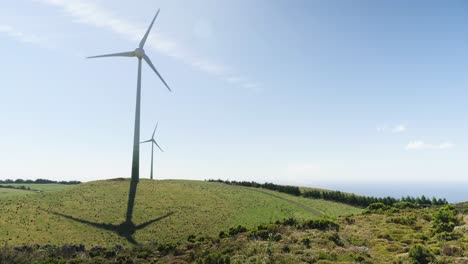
(125,229)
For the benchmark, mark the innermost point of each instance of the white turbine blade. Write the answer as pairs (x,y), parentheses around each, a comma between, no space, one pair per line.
(154,130)
(143,40)
(120,54)
(154,141)
(147,59)
(149,140)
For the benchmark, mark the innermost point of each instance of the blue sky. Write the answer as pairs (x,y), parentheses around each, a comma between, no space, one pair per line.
(299,92)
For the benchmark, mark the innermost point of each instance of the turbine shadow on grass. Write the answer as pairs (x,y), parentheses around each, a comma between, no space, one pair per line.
(125,229)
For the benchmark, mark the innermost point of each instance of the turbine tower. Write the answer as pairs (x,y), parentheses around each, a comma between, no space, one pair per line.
(140,54)
(153,142)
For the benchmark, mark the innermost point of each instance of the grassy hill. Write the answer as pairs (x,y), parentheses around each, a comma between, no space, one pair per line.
(20,189)
(165,211)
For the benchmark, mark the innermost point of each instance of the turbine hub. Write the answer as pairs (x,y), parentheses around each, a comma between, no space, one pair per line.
(139,53)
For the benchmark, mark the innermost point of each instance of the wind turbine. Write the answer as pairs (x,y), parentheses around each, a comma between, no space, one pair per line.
(153,142)
(140,54)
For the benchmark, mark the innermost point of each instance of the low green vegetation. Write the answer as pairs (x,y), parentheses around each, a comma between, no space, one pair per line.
(373,237)
(11,192)
(52,187)
(167,211)
(209,222)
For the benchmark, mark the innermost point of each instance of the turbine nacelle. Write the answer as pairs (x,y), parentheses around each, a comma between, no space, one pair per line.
(139,53)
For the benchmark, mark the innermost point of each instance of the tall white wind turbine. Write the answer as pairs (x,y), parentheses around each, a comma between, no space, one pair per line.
(153,142)
(140,54)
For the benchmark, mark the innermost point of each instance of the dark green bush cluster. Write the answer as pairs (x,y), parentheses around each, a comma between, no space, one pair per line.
(270,186)
(290,222)
(237,230)
(264,232)
(445,219)
(306,242)
(420,254)
(321,224)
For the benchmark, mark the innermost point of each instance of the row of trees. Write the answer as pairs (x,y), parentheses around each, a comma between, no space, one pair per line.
(364,201)
(38,181)
(270,186)
(337,196)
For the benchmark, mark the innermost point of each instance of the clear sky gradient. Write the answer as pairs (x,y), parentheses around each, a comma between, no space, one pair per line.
(298,92)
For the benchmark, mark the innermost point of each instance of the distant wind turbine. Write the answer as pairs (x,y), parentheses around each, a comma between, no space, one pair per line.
(153,142)
(140,54)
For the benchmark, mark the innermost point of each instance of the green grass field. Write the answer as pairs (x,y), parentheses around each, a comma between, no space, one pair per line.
(5,192)
(89,211)
(52,187)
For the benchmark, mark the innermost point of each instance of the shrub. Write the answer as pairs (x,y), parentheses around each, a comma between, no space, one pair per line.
(290,221)
(236,230)
(259,234)
(335,238)
(191,238)
(376,208)
(222,234)
(445,219)
(420,254)
(321,224)
(448,236)
(403,220)
(405,205)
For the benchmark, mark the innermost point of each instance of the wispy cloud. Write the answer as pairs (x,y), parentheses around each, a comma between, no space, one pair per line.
(421,145)
(17,34)
(400,128)
(89,13)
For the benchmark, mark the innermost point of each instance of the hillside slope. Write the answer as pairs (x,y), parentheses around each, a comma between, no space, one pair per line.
(165,211)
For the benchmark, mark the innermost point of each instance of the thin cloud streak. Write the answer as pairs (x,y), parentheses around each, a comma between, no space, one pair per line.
(91,14)
(421,145)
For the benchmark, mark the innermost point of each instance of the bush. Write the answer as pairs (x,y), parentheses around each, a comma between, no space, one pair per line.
(236,230)
(191,238)
(376,208)
(445,219)
(321,224)
(420,254)
(222,234)
(335,238)
(406,205)
(403,220)
(290,222)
